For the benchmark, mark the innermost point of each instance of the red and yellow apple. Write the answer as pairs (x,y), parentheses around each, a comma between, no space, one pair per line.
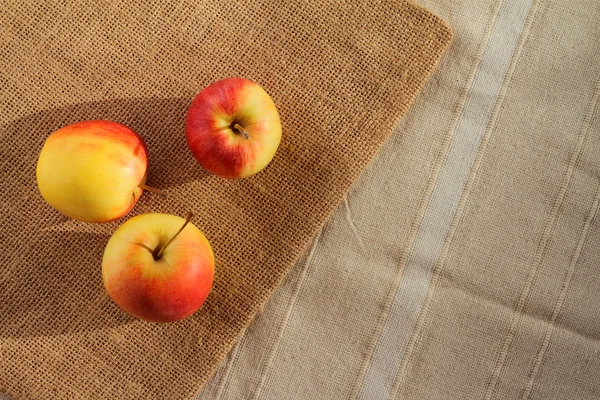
(233,128)
(158,267)
(93,171)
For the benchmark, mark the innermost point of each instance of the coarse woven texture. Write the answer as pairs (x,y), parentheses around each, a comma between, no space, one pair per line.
(464,263)
(341,73)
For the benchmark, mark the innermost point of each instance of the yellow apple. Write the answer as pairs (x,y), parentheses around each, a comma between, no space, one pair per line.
(233,128)
(158,267)
(93,171)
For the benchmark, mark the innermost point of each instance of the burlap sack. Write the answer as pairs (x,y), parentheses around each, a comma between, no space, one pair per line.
(341,74)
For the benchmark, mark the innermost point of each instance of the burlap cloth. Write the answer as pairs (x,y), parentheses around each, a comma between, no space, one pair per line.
(341,73)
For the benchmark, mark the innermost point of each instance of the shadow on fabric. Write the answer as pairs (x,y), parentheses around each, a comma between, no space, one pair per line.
(51,265)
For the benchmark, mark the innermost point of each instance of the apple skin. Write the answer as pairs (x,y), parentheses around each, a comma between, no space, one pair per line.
(164,290)
(90,170)
(212,138)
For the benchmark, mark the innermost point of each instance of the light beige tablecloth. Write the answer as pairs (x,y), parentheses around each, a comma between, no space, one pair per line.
(465,263)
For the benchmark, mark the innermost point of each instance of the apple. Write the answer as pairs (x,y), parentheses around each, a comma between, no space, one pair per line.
(93,171)
(158,267)
(233,128)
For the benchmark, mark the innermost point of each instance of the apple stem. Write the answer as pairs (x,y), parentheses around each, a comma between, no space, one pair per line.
(242,131)
(151,189)
(158,253)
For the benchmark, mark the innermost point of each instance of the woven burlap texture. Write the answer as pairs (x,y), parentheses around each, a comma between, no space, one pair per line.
(341,73)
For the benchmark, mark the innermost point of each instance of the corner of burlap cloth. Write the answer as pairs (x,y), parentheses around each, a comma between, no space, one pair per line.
(341,73)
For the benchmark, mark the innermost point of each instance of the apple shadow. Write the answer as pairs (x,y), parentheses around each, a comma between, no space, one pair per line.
(161,122)
(55,287)
(50,279)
